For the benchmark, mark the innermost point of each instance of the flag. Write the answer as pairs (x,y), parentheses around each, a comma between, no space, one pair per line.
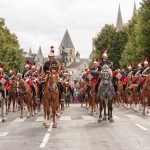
(41,69)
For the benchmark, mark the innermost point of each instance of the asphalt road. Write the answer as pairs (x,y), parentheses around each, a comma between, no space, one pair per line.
(77,131)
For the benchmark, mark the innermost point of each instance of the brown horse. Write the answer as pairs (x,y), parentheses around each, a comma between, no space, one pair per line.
(93,100)
(145,93)
(50,98)
(12,94)
(25,92)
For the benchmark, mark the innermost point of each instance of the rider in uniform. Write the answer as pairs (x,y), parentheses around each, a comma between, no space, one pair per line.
(1,69)
(27,70)
(105,60)
(143,71)
(11,73)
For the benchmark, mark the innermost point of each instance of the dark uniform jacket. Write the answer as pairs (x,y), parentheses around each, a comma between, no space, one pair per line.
(102,63)
(46,66)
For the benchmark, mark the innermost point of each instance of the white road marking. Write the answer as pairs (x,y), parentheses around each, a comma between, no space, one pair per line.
(20,119)
(50,128)
(132,116)
(88,118)
(40,119)
(45,140)
(116,117)
(3,133)
(143,128)
(65,118)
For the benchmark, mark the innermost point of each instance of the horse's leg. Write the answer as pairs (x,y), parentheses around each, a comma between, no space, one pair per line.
(48,116)
(110,109)
(104,104)
(21,107)
(9,103)
(100,109)
(54,115)
(14,103)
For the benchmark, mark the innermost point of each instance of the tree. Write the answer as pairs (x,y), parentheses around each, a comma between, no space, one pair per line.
(10,52)
(114,41)
(143,29)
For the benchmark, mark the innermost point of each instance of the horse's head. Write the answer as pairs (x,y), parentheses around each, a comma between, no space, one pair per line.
(53,80)
(106,74)
(13,84)
(21,88)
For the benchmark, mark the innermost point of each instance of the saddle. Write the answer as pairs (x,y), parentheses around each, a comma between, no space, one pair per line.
(134,80)
(142,79)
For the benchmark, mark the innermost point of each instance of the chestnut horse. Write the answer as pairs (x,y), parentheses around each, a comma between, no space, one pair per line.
(145,93)
(12,93)
(50,98)
(25,92)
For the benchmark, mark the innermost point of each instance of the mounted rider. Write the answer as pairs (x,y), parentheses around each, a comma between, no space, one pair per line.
(2,70)
(11,73)
(143,72)
(27,71)
(105,59)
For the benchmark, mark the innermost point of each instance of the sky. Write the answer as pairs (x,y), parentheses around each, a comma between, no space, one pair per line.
(44,22)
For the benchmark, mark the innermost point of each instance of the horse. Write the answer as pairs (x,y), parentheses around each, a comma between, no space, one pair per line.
(106,90)
(12,94)
(145,93)
(25,96)
(50,98)
(67,92)
(93,100)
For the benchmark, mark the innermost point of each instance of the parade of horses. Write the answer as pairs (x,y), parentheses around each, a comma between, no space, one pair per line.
(86,90)
(99,87)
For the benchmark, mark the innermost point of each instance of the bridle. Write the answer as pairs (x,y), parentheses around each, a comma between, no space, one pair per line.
(52,85)
(20,88)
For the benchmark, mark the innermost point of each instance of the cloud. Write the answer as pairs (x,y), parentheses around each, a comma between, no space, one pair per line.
(43,22)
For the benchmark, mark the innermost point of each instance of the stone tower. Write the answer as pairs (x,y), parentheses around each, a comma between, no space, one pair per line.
(40,57)
(119,23)
(69,47)
(134,9)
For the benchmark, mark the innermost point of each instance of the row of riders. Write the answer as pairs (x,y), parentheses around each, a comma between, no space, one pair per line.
(99,85)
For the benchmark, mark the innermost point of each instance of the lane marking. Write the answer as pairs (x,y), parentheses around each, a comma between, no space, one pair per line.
(50,128)
(3,133)
(143,128)
(116,117)
(45,140)
(20,119)
(132,116)
(40,119)
(88,117)
(65,118)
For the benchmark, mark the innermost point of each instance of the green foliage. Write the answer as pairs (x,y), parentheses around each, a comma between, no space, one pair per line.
(10,52)
(114,41)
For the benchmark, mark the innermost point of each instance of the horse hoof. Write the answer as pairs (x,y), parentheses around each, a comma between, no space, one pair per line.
(28,116)
(14,111)
(91,114)
(44,124)
(111,120)
(135,110)
(54,125)
(3,120)
(58,116)
(7,113)
(104,118)
(143,113)
(21,116)
(99,120)
(147,112)
(47,126)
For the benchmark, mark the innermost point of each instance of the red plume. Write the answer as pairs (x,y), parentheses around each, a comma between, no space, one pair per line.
(96,59)
(28,62)
(105,50)
(52,47)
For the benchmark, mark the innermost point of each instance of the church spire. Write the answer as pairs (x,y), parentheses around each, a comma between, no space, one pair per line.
(40,51)
(30,51)
(66,41)
(134,9)
(119,23)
